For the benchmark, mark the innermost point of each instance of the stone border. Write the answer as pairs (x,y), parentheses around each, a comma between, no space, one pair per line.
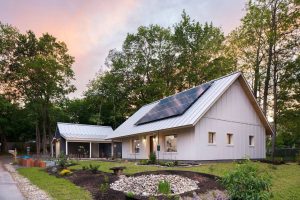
(29,191)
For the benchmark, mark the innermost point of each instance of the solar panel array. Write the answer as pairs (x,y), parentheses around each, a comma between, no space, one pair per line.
(174,105)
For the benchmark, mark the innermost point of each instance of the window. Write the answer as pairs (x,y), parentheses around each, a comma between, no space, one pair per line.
(171,143)
(229,138)
(211,138)
(251,140)
(136,145)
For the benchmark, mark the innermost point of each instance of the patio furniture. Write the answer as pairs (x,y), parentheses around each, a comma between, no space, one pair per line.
(118,170)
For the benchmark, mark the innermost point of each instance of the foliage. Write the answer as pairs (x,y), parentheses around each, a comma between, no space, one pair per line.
(130,194)
(247,182)
(167,164)
(164,187)
(65,172)
(104,187)
(94,168)
(62,160)
(155,62)
(144,162)
(85,168)
(106,179)
(152,158)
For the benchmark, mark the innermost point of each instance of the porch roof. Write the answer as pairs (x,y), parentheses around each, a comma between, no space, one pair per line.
(84,132)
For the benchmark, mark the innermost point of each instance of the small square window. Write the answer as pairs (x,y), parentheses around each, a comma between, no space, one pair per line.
(211,137)
(229,138)
(251,140)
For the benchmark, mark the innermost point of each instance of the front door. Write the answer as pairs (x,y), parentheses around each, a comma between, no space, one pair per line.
(151,144)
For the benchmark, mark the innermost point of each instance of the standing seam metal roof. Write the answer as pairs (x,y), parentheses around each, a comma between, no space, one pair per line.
(84,132)
(189,118)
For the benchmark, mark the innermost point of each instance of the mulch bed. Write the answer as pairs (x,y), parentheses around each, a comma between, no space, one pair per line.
(92,182)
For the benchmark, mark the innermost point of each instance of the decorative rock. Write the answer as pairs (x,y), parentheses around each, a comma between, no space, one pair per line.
(147,185)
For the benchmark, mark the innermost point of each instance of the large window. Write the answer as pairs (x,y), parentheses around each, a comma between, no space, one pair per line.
(211,137)
(171,143)
(136,145)
(251,140)
(229,138)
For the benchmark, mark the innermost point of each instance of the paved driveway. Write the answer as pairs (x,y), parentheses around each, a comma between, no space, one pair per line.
(8,187)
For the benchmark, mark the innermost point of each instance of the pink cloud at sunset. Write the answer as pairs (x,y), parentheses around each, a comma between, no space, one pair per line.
(91,28)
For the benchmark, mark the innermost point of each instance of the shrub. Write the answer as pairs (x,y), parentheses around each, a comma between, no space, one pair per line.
(106,179)
(169,164)
(176,163)
(65,172)
(152,158)
(94,168)
(84,168)
(144,162)
(62,160)
(104,187)
(247,182)
(164,187)
(130,195)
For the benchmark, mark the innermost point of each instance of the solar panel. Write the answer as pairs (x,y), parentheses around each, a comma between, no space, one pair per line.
(174,105)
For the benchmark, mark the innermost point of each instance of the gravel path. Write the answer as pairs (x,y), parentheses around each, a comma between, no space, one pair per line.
(30,191)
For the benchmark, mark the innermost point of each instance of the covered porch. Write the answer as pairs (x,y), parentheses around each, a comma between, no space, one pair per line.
(85,141)
(75,149)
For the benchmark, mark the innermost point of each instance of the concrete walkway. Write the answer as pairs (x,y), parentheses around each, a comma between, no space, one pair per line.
(8,187)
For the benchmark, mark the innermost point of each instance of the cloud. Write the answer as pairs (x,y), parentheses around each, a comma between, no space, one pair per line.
(91,28)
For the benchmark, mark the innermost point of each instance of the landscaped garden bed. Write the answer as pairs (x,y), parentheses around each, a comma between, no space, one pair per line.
(145,185)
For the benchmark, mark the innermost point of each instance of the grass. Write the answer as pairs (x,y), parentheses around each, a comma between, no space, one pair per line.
(286,178)
(57,188)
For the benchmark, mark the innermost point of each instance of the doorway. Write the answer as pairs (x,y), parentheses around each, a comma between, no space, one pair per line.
(151,144)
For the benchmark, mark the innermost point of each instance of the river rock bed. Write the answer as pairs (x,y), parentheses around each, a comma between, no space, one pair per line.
(147,185)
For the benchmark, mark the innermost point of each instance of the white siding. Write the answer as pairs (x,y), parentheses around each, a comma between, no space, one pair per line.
(232,113)
(185,146)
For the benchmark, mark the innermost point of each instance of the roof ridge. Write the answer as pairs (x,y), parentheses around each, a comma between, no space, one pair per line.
(193,87)
(66,123)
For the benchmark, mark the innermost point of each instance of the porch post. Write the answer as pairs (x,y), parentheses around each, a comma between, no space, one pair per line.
(90,149)
(112,149)
(66,147)
(51,149)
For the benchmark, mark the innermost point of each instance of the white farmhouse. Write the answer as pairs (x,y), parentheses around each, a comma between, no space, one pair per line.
(218,120)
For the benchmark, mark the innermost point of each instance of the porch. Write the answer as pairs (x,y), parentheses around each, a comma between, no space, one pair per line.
(83,149)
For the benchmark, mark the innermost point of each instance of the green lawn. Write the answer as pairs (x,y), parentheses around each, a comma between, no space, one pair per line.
(58,188)
(286,178)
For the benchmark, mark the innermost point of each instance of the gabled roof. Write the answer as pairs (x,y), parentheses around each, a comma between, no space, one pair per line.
(193,114)
(84,132)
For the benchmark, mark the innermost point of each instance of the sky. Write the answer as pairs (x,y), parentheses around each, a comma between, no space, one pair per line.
(91,28)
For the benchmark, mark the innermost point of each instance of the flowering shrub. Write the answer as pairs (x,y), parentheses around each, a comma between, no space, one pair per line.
(65,172)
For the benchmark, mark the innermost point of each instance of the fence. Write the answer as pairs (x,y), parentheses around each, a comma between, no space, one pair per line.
(286,154)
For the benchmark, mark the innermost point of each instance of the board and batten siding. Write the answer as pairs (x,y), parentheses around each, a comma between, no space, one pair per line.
(232,113)
(185,145)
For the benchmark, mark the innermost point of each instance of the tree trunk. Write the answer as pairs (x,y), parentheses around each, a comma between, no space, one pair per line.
(256,70)
(38,139)
(44,141)
(3,141)
(270,57)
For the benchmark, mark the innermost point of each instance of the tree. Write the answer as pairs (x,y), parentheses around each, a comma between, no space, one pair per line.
(200,50)
(268,40)
(156,62)
(44,75)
